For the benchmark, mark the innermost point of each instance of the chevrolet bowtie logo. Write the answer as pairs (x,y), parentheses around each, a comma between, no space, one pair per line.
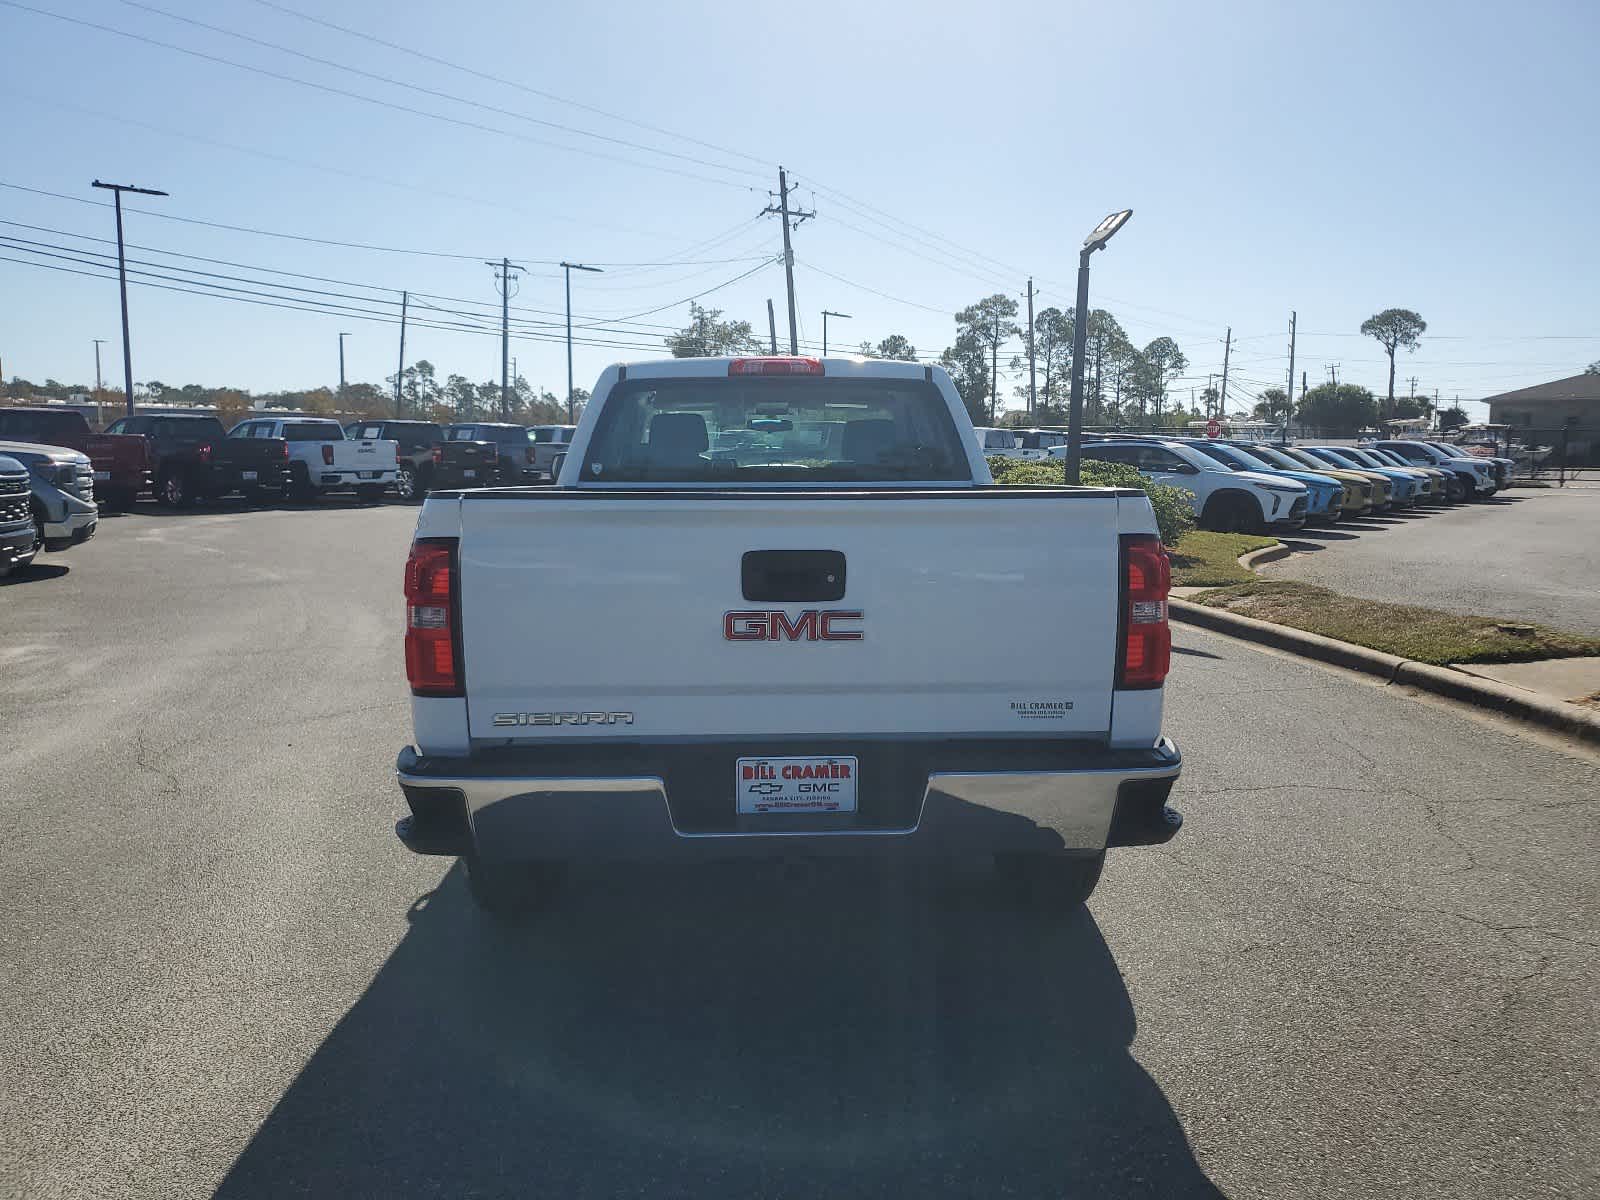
(765,789)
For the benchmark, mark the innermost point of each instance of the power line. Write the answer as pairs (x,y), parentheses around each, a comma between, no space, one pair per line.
(512,83)
(189,275)
(874,291)
(293,237)
(365,99)
(377,318)
(674,304)
(348,69)
(603,324)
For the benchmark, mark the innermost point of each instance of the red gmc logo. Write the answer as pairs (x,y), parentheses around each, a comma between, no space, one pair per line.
(812,625)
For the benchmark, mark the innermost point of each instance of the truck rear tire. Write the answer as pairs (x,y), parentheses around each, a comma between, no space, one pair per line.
(510,892)
(301,489)
(405,484)
(174,490)
(1052,882)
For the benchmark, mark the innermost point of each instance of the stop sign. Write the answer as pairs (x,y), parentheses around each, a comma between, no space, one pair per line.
(1213,429)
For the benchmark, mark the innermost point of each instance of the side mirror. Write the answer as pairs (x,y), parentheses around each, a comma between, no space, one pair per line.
(1186,469)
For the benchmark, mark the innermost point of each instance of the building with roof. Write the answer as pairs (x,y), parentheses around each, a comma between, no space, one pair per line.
(1564,412)
(1571,401)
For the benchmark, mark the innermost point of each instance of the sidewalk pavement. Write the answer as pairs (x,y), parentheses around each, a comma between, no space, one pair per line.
(1575,680)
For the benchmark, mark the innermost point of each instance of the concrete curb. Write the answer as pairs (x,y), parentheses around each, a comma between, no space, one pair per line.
(1266,554)
(1569,719)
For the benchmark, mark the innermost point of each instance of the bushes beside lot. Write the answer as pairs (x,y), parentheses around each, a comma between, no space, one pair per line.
(1174,516)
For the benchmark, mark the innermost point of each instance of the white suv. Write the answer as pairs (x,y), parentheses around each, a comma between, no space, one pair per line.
(1476,474)
(1223,499)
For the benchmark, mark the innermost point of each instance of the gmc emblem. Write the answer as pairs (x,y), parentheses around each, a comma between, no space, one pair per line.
(812,625)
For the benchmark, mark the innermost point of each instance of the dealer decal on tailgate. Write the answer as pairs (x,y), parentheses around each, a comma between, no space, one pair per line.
(778,785)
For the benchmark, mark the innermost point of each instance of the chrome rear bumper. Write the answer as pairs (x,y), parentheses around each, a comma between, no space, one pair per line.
(1082,802)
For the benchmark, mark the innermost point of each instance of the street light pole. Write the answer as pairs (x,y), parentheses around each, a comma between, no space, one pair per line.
(98,416)
(122,278)
(342,337)
(569,268)
(1098,237)
(826,313)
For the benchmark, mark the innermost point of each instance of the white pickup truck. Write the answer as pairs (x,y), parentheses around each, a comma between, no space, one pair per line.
(322,459)
(797,644)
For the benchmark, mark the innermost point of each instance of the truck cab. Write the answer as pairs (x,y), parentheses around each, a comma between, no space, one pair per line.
(771,642)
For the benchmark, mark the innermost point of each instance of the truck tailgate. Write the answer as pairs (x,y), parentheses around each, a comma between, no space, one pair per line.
(626,616)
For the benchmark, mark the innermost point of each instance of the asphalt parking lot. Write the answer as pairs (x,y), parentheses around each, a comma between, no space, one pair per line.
(1366,967)
(1522,554)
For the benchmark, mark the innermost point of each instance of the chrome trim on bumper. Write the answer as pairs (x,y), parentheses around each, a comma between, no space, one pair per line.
(629,816)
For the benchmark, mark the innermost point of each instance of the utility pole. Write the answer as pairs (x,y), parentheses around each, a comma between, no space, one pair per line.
(405,298)
(1222,400)
(1288,404)
(772,326)
(569,268)
(796,217)
(1211,394)
(1413,382)
(826,313)
(502,280)
(342,337)
(122,278)
(1032,392)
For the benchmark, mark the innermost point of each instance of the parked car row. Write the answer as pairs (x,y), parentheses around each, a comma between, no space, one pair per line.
(436,457)
(56,473)
(1252,487)
(182,458)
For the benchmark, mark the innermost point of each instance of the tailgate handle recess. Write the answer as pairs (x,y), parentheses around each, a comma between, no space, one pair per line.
(792,576)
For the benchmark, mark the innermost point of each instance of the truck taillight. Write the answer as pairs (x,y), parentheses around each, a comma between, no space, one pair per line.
(438,455)
(1146,650)
(527,456)
(775,366)
(203,451)
(327,454)
(285,451)
(433,642)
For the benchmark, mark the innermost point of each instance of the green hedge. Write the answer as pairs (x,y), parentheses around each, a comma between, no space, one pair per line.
(1174,516)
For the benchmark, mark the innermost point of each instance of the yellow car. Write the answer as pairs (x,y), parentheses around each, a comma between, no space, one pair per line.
(1379,500)
(1357,487)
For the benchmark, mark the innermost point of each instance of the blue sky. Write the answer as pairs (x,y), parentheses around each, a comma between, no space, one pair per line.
(1333,161)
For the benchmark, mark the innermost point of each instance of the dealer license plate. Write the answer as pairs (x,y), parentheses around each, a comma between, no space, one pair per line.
(101,476)
(248,476)
(819,784)
(469,474)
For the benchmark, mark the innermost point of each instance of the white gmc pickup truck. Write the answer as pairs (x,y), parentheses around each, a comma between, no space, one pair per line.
(322,459)
(767,610)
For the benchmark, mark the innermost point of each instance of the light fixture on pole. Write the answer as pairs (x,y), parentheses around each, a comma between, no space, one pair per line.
(826,313)
(1098,237)
(568,269)
(122,278)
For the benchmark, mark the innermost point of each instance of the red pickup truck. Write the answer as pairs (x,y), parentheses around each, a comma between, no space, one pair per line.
(121,461)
